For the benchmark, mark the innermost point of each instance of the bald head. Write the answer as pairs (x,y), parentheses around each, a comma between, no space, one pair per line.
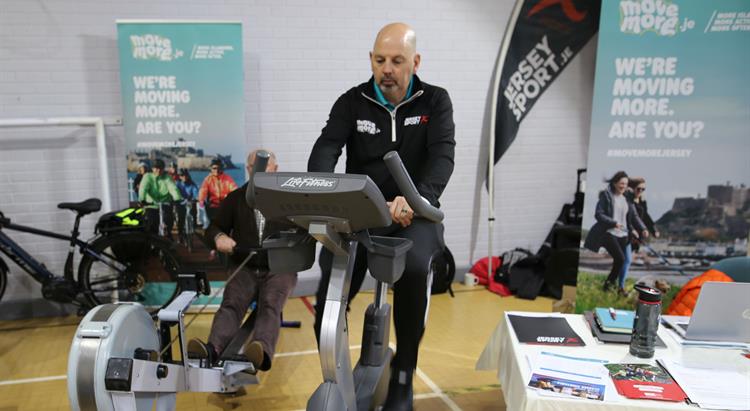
(394,59)
(270,168)
(399,34)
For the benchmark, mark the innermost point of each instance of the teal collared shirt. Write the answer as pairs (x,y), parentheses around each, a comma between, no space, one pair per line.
(381,98)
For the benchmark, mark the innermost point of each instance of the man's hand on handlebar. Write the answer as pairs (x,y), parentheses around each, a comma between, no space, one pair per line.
(225,243)
(401,211)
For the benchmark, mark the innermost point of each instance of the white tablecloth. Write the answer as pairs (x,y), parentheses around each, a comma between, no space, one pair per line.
(504,353)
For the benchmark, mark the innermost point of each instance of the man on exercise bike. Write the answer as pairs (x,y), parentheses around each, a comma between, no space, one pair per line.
(394,110)
(236,225)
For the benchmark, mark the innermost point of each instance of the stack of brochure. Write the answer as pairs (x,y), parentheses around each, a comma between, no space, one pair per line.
(560,375)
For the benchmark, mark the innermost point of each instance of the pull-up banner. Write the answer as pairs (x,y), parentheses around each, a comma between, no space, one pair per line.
(547,35)
(671,109)
(182,102)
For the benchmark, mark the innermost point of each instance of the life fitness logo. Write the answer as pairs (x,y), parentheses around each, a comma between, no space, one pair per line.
(153,47)
(315,183)
(658,16)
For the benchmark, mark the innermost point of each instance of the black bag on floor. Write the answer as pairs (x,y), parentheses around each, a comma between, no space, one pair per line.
(443,269)
(527,277)
(507,261)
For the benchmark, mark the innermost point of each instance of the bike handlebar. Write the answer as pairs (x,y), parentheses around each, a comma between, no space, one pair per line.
(421,207)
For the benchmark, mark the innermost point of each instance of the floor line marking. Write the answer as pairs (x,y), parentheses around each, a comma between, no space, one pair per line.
(32,380)
(308,304)
(447,353)
(308,352)
(437,391)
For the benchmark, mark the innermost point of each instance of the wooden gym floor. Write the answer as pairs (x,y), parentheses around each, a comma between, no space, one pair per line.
(34,354)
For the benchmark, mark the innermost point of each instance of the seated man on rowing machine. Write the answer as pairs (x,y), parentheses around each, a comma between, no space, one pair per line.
(236,224)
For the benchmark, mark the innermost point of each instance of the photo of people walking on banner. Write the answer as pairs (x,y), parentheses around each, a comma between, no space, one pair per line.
(625,244)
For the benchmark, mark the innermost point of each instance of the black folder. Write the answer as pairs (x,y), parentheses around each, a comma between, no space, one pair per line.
(545,331)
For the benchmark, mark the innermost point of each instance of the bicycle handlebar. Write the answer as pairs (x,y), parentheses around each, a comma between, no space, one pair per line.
(421,207)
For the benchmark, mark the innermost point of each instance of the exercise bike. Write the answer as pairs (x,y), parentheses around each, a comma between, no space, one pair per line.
(337,210)
(120,361)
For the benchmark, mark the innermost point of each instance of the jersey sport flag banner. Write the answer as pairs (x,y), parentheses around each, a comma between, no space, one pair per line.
(541,38)
(182,101)
(546,35)
(671,108)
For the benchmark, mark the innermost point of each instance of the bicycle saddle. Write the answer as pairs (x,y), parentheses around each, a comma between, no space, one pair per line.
(84,207)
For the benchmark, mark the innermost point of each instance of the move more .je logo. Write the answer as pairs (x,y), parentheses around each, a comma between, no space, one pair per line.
(659,16)
(153,47)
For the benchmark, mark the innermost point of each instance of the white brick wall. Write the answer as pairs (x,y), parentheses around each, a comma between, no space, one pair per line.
(59,58)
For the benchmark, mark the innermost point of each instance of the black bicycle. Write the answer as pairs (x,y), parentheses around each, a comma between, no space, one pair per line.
(123,262)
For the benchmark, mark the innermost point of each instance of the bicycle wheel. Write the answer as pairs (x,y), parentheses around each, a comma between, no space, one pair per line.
(129,267)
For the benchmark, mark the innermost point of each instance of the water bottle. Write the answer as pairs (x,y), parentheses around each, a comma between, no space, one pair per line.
(646,322)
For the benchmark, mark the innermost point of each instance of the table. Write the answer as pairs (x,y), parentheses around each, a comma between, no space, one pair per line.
(505,354)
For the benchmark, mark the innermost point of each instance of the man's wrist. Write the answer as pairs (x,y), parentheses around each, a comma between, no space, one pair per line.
(216,237)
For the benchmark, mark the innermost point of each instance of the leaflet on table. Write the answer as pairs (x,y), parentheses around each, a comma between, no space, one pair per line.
(544,330)
(568,376)
(644,381)
(711,388)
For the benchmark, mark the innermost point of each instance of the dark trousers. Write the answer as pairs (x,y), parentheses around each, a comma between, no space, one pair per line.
(411,293)
(211,212)
(615,246)
(270,290)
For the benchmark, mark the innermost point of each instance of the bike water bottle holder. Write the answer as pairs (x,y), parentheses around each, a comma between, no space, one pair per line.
(290,252)
(386,257)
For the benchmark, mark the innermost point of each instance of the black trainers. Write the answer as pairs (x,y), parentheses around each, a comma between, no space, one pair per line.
(205,352)
(400,391)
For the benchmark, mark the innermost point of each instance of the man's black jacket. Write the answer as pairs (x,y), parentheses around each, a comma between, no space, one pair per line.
(237,220)
(424,138)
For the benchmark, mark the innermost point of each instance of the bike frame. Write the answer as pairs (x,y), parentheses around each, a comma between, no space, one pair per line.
(36,269)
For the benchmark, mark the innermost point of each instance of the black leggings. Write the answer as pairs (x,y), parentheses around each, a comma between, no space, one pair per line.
(615,246)
(411,293)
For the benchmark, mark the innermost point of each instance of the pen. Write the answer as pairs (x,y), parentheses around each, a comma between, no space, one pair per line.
(612,313)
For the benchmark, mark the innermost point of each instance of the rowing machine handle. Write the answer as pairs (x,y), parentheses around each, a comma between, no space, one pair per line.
(261,162)
(421,207)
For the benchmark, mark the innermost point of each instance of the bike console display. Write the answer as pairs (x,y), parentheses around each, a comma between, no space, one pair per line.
(347,197)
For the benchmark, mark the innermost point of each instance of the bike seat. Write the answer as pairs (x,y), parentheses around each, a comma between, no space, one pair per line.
(84,207)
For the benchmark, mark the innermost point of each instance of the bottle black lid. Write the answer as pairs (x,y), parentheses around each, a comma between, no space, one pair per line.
(648,294)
